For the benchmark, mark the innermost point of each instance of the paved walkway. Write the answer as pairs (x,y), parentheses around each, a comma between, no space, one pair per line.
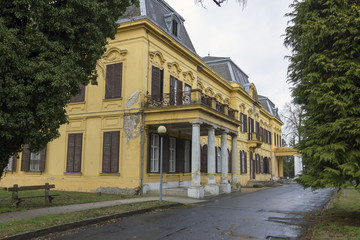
(21,215)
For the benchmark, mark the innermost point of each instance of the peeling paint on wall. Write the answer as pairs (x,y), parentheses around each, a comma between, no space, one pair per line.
(132,126)
(134,98)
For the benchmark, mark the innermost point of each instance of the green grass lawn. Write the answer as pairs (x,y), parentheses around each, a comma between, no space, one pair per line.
(16,227)
(63,198)
(342,219)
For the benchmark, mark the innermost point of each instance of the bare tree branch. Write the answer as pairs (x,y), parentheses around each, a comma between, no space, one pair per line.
(219,2)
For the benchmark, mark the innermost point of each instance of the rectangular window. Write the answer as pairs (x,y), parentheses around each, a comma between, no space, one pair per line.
(74,151)
(172,155)
(187,156)
(244,123)
(154,156)
(157,82)
(242,162)
(33,162)
(110,163)
(251,128)
(175,91)
(80,97)
(113,82)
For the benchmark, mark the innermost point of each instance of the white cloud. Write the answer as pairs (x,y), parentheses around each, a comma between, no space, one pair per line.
(251,37)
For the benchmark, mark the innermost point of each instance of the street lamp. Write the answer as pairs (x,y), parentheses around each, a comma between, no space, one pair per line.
(161,130)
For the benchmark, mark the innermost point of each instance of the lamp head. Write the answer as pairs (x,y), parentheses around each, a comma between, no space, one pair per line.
(161,130)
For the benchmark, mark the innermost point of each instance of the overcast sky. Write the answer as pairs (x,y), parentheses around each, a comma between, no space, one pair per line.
(250,36)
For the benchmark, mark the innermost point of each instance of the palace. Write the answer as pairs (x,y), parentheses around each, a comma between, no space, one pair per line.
(220,133)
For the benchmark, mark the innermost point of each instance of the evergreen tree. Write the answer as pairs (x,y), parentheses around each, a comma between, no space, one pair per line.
(325,73)
(48,48)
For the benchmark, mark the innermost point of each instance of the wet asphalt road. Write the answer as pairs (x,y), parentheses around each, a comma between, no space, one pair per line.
(276,212)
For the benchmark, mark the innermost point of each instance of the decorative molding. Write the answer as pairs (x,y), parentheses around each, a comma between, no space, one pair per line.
(114,54)
(157,58)
(242,107)
(209,92)
(174,69)
(188,77)
(200,85)
(227,101)
(218,97)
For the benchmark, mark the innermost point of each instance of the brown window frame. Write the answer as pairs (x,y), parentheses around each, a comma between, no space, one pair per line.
(111,152)
(114,80)
(74,153)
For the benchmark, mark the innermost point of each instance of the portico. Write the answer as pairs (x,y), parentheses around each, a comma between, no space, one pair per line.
(201,121)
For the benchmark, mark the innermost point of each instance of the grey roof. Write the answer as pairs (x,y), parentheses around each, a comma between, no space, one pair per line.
(160,13)
(269,106)
(227,69)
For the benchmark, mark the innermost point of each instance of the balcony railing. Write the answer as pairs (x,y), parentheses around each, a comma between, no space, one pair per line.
(187,98)
(169,99)
(254,137)
(206,100)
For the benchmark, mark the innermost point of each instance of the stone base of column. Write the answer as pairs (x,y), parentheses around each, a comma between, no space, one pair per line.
(225,188)
(235,185)
(196,192)
(212,189)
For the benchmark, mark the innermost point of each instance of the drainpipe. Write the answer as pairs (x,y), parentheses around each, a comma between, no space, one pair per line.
(143,118)
(142,152)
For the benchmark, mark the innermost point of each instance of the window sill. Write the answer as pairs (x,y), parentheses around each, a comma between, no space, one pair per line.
(112,99)
(109,174)
(170,174)
(73,103)
(153,174)
(33,173)
(73,173)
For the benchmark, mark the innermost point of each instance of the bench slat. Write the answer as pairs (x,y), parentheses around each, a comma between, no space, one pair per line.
(37,187)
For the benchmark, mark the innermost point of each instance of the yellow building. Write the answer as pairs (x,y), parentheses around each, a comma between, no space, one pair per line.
(220,133)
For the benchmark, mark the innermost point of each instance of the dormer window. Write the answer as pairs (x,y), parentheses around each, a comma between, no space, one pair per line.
(173,22)
(175,27)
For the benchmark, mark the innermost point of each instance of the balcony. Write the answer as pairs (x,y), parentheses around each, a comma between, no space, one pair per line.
(254,140)
(195,97)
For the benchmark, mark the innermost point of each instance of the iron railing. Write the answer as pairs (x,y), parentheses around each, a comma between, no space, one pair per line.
(184,98)
(169,99)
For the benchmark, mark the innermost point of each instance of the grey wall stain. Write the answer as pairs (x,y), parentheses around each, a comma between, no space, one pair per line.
(132,126)
(134,98)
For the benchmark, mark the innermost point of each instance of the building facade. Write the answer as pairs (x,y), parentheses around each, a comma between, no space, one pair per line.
(221,133)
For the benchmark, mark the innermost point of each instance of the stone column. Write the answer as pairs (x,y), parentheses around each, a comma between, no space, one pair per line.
(235,164)
(195,190)
(224,184)
(211,187)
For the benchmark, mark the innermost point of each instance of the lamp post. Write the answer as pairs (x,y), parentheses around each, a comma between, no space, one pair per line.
(162,131)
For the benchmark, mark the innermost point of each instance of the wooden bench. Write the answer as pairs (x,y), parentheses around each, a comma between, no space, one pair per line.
(16,200)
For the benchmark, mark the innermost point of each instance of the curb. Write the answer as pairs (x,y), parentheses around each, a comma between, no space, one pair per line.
(67,226)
